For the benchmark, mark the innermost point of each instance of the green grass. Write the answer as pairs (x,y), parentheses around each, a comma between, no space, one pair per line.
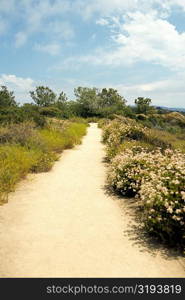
(74,133)
(15,162)
(56,140)
(159,138)
(175,141)
(36,154)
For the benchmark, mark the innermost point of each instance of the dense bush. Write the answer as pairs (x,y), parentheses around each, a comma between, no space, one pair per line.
(50,112)
(155,177)
(163,198)
(17,133)
(117,132)
(128,169)
(174,118)
(27,112)
(158,181)
(11,115)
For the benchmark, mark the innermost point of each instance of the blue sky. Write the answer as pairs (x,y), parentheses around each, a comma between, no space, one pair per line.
(135,46)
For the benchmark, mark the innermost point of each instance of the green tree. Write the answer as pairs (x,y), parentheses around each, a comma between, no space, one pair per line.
(110,103)
(110,97)
(7,98)
(31,111)
(61,102)
(143,105)
(95,102)
(62,98)
(87,99)
(43,96)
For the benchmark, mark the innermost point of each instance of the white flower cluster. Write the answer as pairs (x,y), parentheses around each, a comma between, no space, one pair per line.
(156,178)
(164,193)
(116,132)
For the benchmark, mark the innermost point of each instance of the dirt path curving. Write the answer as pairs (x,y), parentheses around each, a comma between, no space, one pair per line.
(63,224)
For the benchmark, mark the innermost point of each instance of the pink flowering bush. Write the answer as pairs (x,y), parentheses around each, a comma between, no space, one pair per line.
(129,169)
(157,181)
(163,198)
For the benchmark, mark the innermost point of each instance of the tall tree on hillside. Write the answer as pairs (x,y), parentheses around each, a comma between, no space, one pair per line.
(87,100)
(110,97)
(7,98)
(62,100)
(143,105)
(62,97)
(43,96)
(62,104)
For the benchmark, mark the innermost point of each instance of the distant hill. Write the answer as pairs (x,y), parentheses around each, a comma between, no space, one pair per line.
(179,109)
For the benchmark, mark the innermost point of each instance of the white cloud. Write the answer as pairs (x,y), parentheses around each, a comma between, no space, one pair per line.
(142,38)
(171,3)
(105,8)
(36,17)
(35,12)
(21,83)
(52,48)
(139,31)
(168,92)
(21,86)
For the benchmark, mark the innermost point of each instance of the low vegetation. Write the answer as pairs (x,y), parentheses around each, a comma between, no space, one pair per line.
(149,166)
(26,148)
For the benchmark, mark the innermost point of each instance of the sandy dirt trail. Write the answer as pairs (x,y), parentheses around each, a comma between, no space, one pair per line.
(63,224)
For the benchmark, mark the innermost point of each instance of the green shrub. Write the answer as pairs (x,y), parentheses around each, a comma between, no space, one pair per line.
(78,120)
(15,162)
(158,138)
(11,115)
(27,112)
(20,133)
(93,120)
(120,131)
(102,123)
(50,111)
(53,140)
(26,149)
(175,118)
(157,180)
(74,133)
(5,135)
(129,169)
(163,199)
(42,161)
(154,176)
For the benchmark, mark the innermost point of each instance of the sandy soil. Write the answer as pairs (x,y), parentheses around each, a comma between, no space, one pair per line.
(64,224)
